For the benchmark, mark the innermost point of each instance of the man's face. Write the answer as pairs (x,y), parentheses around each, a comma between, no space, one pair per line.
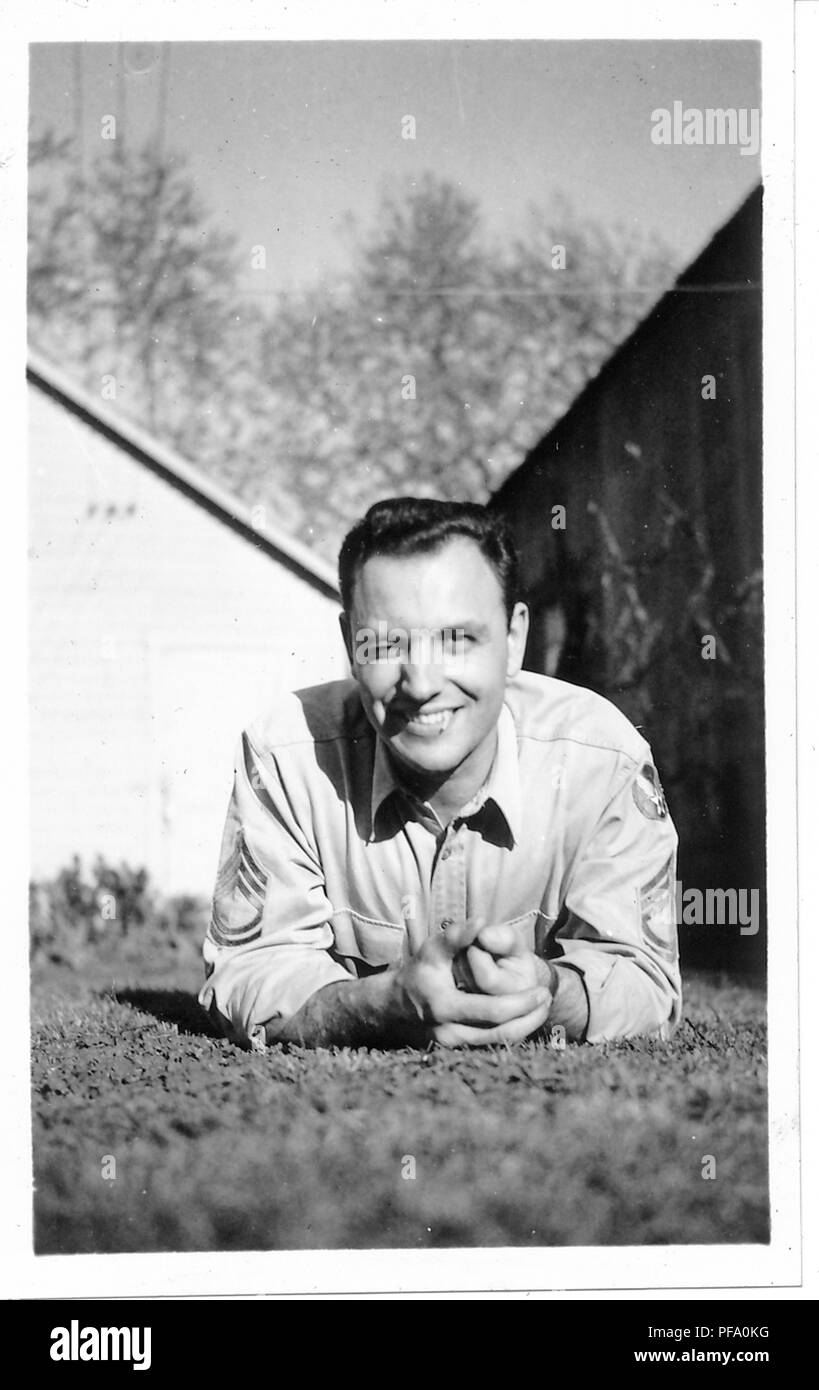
(434,701)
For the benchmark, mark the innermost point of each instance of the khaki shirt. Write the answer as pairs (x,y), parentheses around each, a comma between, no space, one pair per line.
(330,870)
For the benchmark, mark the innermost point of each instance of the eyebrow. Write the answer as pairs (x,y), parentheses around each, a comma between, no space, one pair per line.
(478,628)
(472,626)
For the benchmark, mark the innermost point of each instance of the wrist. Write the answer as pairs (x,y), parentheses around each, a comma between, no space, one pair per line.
(569,1008)
(402,1012)
(548,975)
(374,1011)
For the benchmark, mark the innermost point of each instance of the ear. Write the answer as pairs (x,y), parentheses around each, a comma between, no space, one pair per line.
(516,639)
(347,638)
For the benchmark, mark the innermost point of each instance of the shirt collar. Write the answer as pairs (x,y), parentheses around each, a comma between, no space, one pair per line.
(502,786)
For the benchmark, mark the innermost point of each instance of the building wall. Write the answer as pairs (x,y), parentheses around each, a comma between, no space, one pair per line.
(640,444)
(155,633)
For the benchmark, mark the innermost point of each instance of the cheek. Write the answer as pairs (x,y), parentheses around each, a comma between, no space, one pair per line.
(484,673)
(377,680)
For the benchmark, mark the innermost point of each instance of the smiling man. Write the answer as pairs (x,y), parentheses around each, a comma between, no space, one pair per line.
(443,847)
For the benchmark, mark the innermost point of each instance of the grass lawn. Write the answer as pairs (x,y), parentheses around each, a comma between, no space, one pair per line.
(219,1149)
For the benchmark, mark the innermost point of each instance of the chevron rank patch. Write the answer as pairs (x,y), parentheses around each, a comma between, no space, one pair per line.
(648,794)
(238,898)
(658,912)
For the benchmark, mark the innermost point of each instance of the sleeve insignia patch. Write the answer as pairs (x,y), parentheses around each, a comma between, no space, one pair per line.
(238,899)
(658,912)
(648,794)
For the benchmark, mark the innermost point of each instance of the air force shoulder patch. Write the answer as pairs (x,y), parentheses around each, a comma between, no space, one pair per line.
(648,794)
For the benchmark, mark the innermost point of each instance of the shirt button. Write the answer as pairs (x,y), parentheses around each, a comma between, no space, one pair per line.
(445,853)
(447,922)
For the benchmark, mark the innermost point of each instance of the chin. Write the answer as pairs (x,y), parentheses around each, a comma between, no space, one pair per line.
(437,760)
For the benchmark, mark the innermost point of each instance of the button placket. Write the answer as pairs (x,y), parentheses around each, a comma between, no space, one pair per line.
(450,884)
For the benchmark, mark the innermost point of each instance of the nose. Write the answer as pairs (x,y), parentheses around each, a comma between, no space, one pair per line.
(421,680)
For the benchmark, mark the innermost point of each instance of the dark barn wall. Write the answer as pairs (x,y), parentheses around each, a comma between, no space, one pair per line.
(662,548)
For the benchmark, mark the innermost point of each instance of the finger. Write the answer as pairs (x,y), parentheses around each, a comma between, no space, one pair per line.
(462,973)
(502,941)
(458,938)
(516,1031)
(485,1010)
(485,973)
(464,936)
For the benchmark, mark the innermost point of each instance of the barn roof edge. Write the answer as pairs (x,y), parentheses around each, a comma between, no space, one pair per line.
(165,463)
(686,281)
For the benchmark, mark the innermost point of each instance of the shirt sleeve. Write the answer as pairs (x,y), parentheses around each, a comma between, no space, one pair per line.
(266,949)
(619,928)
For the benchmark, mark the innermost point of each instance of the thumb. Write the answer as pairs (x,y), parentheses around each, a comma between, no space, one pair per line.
(502,941)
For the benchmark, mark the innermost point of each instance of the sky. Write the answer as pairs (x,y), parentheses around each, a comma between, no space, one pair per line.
(287,139)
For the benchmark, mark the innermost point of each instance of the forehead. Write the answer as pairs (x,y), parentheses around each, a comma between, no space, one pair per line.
(443,586)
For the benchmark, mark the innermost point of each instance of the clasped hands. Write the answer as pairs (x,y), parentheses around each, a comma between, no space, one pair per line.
(477,986)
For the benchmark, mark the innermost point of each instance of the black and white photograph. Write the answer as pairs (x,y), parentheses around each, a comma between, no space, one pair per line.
(402,596)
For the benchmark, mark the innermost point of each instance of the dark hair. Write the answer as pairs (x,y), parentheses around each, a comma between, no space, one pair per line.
(413,525)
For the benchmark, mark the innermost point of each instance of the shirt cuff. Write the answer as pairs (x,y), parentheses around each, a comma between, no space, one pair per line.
(263,982)
(625,1001)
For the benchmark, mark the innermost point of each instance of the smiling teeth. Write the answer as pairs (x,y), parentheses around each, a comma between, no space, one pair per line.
(439,717)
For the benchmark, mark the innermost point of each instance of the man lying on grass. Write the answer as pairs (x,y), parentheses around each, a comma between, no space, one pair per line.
(442,847)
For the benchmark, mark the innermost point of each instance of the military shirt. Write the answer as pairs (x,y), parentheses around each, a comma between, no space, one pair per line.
(330,869)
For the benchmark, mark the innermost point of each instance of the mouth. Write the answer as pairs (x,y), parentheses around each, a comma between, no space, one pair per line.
(427,723)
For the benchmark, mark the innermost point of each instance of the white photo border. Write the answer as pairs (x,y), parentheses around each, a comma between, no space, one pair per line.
(702,1271)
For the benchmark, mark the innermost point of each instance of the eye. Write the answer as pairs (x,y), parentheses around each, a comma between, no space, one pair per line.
(455,641)
(372,650)
(386,651)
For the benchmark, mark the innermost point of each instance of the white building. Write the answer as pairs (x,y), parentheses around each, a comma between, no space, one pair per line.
(161,619)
